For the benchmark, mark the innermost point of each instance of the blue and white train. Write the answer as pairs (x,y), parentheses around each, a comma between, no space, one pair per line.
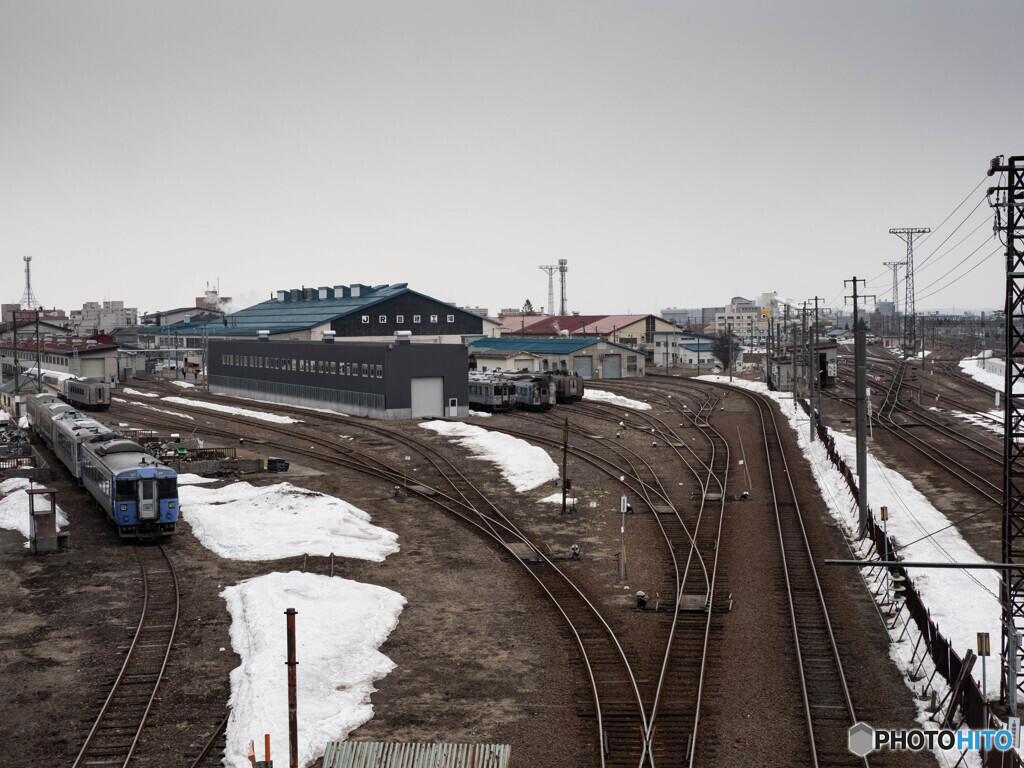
(138,493)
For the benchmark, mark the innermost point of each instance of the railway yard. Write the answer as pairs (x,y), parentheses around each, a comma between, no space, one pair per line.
(766,657)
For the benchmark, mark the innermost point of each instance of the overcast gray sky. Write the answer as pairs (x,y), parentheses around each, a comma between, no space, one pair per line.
(676,153)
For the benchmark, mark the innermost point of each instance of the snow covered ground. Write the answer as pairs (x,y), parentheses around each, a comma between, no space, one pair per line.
(607,397)
(339,626)
(962,602)
(260,415)
(130,391)
(14,507)
(245,522)
(149,407)
(524,465)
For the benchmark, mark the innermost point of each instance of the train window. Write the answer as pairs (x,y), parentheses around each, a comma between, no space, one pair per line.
(147,490)
(167,487)
(382,319)
(415,318)
(433,318)
(124,490)
(399,318)
(451,318)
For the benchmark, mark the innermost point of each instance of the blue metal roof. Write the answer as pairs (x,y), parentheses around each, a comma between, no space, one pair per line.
(299,314)
(550,346)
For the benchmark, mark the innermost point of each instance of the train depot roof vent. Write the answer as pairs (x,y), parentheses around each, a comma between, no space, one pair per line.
(283,296)
(296,294)
(328,336)
(263,335)
(341,292)
(356,290)
(307,294)
(93,342)
(326,293)
(403,337)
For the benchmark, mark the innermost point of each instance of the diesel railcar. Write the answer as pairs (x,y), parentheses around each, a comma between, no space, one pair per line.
(70,431)
(532,392)
(90,394)
(41,410)
(568,386)
(491,393)
(138,493)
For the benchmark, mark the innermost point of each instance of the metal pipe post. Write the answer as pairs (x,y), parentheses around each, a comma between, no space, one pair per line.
(293,728)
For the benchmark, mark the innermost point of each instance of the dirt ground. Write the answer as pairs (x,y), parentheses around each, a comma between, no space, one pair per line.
(479,656)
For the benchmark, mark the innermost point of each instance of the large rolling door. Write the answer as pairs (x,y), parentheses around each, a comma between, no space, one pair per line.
(427,396)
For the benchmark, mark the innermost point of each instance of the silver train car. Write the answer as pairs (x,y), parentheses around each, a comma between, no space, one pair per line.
(41,411)
(90,394)
(533,392)
(70,431)
(491,393)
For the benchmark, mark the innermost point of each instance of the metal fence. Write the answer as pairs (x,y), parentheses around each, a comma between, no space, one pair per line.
(948,663)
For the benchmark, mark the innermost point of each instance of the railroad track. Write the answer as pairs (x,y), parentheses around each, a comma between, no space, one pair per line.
(114,736)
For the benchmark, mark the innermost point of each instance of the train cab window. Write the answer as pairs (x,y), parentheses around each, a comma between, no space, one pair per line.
(167,487)
(124,490)
(147,490)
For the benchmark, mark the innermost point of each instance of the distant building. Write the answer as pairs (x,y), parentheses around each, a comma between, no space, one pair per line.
(684,318)
(593,358)
(212,300)
(93,356)
(674,349)
(94,317)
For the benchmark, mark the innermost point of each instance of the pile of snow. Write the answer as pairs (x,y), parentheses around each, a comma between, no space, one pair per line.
(481,414)
(525,466)
(992,421)
(607,397)
(14,507)
(130,391)
(988,370)
(244,522)
(556,498)
(182,383)
(260,415)
(338,627)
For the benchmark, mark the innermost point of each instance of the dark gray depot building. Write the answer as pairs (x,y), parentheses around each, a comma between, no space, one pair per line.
(375,379)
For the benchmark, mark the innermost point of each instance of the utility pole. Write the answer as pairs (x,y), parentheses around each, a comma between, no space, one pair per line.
(565,461)
(860,360)
(816,380)
(1008,201)
(803,349)
(909,327)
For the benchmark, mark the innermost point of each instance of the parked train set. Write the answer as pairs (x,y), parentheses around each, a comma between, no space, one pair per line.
(504,390)
(138,493)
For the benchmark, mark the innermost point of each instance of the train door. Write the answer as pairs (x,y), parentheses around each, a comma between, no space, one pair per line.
(149,508)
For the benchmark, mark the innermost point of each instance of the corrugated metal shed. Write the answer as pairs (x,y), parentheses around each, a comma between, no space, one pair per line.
(381,754)
(556,346)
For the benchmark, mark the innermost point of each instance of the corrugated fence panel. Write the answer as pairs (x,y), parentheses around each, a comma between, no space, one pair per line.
(383,754)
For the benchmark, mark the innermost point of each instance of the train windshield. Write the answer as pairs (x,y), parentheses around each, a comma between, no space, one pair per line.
(147,491)
(124,490)
(167,487)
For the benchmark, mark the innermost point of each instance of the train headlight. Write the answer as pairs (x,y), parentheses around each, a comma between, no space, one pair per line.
(170,505)
(124,507)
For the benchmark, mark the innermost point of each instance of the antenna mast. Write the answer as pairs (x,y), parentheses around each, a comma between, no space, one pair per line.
(550,269)
(28,299)
(563,267)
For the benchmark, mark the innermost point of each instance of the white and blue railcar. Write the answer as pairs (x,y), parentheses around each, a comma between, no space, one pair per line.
(490,393)
(42,409)
(70,431)
(138,493)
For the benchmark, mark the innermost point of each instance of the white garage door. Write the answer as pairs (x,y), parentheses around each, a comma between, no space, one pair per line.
(428,396)
(612,367)
(93,369)
(584,366)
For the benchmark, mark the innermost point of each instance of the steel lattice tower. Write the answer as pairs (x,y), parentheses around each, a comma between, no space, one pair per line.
(895,266)
(1008,202)
(909,312)
(28,299)
(550,269)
